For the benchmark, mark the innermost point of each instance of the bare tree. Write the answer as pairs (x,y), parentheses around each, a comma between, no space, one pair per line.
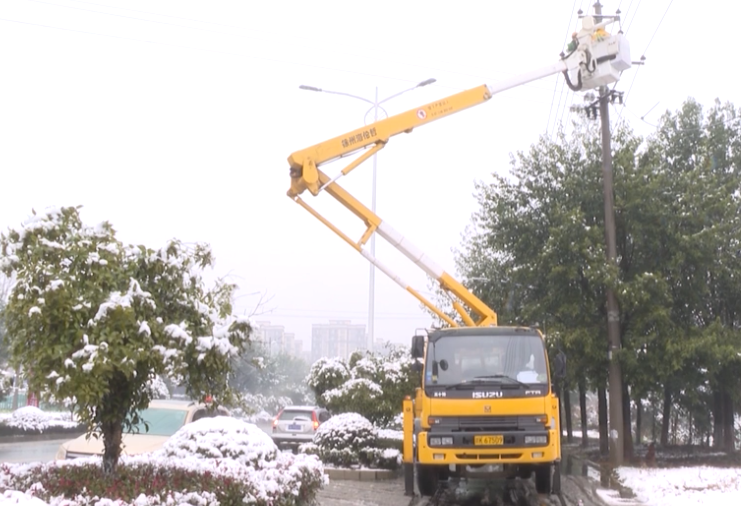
(261,306)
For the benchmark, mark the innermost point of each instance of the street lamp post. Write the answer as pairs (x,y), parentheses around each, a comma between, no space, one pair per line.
(375,106)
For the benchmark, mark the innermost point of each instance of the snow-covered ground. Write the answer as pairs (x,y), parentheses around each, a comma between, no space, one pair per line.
(591,434)
(683,486)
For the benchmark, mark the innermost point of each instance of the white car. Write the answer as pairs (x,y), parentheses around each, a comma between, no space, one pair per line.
(164,418)
(296,424)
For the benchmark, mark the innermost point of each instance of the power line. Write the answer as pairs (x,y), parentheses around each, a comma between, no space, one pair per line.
(123,16)
(573,94)
(555,87)
(384,60)
(272,60)
(262,58)
(155,14)
(635,75)
(627,11)
(569,94)
(657,27)
(633,18)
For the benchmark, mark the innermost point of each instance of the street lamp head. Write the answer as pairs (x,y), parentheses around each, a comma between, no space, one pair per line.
(309,88)
(426,82)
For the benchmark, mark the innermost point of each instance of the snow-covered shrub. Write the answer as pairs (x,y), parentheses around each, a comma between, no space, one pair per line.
(350,440)
(372,384)
(219,461)
(154,480)
(346,430)
(381,458)
(326,374)
(259,404)
(392,435)
(308,448)
(222,437)
(158,388)
(32,419)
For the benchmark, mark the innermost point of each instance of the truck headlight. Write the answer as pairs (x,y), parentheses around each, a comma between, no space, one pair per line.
(440,441)
(531,440)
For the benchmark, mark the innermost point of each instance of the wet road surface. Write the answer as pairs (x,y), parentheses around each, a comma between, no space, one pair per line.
(29,451)
(582,488)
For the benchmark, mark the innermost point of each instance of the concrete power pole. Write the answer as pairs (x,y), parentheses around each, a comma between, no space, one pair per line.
(613,311)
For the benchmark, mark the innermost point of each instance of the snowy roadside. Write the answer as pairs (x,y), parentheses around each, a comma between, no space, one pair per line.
(683,486)
(577,434)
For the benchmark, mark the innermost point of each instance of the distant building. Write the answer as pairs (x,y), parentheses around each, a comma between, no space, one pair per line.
(276,340)
(338,338)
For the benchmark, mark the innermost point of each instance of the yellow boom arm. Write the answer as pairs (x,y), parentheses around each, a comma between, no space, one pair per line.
(597,59)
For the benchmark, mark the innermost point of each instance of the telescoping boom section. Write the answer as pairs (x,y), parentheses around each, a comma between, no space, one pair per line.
(595,58)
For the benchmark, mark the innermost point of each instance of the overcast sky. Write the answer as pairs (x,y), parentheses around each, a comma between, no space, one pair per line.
(174,118)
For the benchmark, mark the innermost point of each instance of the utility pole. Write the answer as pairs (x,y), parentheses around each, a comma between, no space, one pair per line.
(375,106)
(372,277)
(613,311)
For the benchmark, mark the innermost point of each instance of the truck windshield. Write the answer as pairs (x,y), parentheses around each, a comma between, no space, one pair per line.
(463,359)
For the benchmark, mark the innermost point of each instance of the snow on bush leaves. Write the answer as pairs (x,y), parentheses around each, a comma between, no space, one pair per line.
(326,374)
(381,458)
(234,461)
(32,419)
(146,480)
(349,440)
(158,388)
(372,384)
(265,403)
(222,437)
(346,430)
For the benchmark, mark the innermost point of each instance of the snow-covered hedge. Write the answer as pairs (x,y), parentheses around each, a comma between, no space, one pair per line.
(350,440)
(261,408)
(346,430)
(211,462)
(33,419)
(372,384)
(222,437)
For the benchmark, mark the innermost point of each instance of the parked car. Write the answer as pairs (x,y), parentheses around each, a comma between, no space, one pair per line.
(294,425)
(164,418)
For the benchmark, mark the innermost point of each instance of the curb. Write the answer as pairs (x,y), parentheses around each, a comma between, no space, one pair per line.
(36,436)
(361,474)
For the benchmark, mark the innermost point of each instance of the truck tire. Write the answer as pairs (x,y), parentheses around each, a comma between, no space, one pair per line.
(556,483)
(428,479)
(543,478)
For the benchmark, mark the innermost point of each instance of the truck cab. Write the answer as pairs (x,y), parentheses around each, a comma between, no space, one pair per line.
(485,405)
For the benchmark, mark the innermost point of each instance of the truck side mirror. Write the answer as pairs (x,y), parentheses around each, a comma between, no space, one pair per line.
(418,346)
(559,366)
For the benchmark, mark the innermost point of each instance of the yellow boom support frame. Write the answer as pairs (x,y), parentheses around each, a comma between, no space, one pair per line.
(595,59)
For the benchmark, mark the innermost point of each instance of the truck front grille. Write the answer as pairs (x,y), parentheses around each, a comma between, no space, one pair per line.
(488,423)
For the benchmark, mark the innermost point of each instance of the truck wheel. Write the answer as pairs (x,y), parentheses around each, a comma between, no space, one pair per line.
(543,478)
(428,479)
(556,485)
